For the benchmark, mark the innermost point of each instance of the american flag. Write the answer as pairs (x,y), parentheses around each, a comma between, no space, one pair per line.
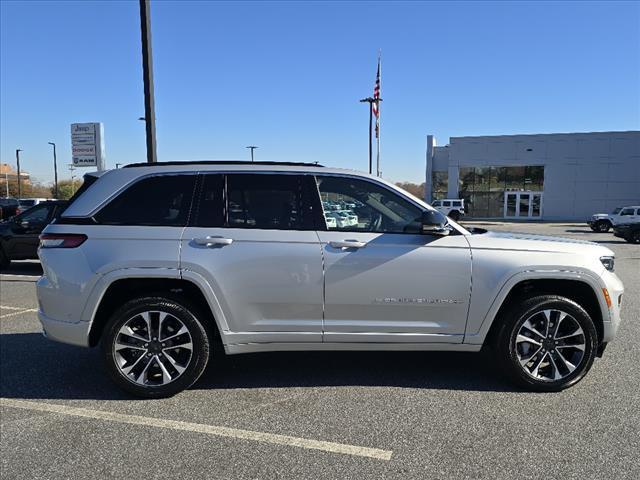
(376,103)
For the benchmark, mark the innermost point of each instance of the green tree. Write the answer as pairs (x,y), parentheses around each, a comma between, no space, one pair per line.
(66,188)
(413,188)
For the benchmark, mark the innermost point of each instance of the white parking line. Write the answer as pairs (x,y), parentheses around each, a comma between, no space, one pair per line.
(26,310)
(11,308)
(273,438)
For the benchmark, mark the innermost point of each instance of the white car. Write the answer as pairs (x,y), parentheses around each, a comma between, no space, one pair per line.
(331,222)
(603,222)
(452,208)
(150,263)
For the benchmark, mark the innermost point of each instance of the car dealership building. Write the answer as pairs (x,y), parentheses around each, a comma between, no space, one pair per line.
(559,176)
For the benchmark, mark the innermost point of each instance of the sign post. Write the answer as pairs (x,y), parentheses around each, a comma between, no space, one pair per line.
(87,145)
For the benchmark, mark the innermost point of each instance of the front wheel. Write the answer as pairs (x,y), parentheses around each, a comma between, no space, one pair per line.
(155,347)
(455,215)
(603,226)
(546,343)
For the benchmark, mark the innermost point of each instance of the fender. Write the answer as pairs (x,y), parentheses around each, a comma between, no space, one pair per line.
(588,277)
(103,284)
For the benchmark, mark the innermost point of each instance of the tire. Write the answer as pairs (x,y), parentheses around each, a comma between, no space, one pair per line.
(5,262)
(454,215)
(549,368)
(603,226)
(634,237)
(146,368)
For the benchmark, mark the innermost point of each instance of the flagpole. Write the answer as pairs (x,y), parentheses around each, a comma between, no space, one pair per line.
(378,99)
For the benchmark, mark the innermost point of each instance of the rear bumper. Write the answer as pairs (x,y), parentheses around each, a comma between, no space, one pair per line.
(65,332)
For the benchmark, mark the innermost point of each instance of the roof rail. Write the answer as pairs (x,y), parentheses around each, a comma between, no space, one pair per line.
(221,162)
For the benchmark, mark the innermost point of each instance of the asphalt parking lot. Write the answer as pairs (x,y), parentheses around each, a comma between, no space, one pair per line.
(317,415)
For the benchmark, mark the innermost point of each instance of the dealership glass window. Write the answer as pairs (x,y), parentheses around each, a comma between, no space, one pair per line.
(483,188)
(439,184)
(533,178)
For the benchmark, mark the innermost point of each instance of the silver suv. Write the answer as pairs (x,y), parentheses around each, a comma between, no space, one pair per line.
(163,264)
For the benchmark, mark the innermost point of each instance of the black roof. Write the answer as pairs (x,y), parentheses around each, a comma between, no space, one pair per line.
(222,162)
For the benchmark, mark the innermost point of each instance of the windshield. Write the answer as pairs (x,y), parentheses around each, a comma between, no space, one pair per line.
(616,211)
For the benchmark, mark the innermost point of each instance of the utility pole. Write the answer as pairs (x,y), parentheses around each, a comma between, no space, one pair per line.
(55,169)
(370,101)
(19,179)
(252,148)
(147,76)
(73,183)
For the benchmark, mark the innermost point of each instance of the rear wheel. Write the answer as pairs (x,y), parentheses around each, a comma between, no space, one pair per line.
(603,226)
(634,237)
(455,215)
(546,343)
(155,347)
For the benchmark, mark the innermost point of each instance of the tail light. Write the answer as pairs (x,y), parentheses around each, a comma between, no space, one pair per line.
(62,240)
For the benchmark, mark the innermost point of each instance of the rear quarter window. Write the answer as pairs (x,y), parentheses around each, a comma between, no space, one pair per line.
(163,200)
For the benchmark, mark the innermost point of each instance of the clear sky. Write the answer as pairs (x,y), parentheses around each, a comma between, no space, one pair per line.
(287,76)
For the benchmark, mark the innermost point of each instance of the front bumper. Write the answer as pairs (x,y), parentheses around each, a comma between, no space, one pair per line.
(616,290)
(65,332)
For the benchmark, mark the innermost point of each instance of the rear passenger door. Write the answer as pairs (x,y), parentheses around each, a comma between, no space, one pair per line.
(253,240)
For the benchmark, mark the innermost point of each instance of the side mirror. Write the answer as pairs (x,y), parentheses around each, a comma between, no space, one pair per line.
(434,223)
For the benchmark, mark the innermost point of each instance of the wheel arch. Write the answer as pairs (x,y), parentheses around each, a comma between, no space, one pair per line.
(580,290)
(124,287)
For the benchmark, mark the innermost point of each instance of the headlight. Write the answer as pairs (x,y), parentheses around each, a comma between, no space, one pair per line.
(607,262)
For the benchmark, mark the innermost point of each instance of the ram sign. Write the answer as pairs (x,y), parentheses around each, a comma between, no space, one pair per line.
(87,145)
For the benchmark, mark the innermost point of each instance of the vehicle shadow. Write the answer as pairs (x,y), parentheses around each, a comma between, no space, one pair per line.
(32,367)
(23,268)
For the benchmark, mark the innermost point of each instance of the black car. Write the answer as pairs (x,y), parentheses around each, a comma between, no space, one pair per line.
(8,207)
(629,231)
(19,235)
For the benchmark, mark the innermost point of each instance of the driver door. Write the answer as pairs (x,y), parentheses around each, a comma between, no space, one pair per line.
(384,280)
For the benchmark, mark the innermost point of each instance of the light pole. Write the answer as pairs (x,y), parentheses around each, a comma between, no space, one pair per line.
(73,183)
(55,169)
(19,180)
(147,78)
(370,101)
(252,148)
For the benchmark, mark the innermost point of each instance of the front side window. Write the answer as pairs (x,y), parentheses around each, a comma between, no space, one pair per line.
(356,205)
(436,203)
(267,201)
(627,211)
(163,200)
(35,215)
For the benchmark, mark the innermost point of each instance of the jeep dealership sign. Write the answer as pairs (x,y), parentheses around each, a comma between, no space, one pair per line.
(87,145)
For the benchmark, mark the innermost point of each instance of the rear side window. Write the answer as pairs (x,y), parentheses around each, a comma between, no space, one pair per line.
(266,201)
(163,200)
(457,204)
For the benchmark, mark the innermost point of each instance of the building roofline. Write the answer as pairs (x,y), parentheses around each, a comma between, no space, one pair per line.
(546,134)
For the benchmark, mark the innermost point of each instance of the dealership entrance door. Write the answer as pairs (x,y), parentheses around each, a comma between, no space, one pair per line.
(523,205)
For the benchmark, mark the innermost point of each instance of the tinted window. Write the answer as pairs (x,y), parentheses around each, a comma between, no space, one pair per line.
(627,211)
(162,200)
(457,204)
(38,214)
(27,203)
(266,201)
(211,204)
(363,206)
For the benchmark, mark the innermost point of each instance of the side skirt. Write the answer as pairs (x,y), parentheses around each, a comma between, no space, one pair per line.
(237,348)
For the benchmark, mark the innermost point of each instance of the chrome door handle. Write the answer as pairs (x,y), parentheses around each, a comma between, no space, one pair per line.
(348,244)
(211,241)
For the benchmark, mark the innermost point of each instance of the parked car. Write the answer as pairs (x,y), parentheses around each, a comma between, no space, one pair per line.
(629,231)
(452,208)
(26,203)
(603,222)
(9,207)
(19,235)
(150,263)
